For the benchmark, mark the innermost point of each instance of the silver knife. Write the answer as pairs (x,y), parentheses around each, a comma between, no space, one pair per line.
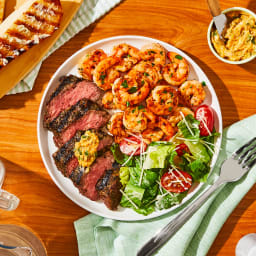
(220,19)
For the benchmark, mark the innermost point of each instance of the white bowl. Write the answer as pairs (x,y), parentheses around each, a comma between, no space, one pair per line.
(210,43)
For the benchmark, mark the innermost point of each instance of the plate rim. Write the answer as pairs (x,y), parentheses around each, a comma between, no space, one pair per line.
(43,99)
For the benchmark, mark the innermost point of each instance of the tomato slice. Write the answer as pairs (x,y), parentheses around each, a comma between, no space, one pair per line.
(204,114)
(181,149)
(129,145)
(176,181)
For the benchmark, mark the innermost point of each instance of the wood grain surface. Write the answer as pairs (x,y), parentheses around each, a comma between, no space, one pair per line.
(44,208)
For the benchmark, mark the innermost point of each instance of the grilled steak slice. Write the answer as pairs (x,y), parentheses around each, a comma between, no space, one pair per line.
(109,187)
(65,159)
(34,21)
(68,93)
(92,119)
(89,180)
(67,117)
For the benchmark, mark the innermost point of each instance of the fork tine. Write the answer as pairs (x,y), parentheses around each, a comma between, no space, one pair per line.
(249,152)
(250,164)
(240,150)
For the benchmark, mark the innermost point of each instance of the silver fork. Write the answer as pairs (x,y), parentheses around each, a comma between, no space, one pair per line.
(232,170)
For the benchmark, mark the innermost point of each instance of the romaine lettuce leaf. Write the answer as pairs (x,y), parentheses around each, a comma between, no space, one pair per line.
(124,175)
(134,193)
(199,170)
(198,150)
(193,131)
(168,200)
(156,156)
(120,157)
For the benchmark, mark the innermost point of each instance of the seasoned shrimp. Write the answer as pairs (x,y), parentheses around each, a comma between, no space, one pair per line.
(153,52)
(176,72)
(105,74)
(107,100)
(131,91)
(150,71)
(166,127)
(162,100)
(192,92)
(116,127)
(152,134)
(88,63)
(136,118)
(128,56)
(175,117)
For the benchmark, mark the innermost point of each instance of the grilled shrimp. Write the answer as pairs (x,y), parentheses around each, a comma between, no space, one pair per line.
(136,118)
(88,63)
(105,74)
(128,56)
(150,71)
(176,116)
(116,127)
(176,72)
(107,100)
(162,100)
(166,127)
(192,92)
(152,134)
(131,91)
(153,52)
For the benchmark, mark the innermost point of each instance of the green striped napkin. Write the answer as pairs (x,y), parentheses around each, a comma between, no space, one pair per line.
(98,236)
(89,11)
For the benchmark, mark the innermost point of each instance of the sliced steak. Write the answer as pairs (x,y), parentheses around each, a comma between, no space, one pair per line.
(109,187)
(67,117)
(89,180)
(71,90)
(92,119)
(65,159)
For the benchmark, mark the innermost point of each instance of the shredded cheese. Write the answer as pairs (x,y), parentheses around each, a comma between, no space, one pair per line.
(127,197)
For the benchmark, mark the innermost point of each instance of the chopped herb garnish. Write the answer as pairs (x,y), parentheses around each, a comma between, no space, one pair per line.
(161,52)
(146,74)
(253,41)
(102,78)
(178,57)
(203,83)
(171,75)
(86,153)
(139,121)
(142,82)
(170,109)
(133,110)
(162,101)
(153,64)
(127,103)
(140,107)
(125,84)
(128,55)
(133,89)
(164,91)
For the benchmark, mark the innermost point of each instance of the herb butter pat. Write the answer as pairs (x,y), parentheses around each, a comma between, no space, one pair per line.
(86,149)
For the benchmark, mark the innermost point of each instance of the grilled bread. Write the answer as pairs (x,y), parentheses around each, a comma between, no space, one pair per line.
(34,21)
(2,4)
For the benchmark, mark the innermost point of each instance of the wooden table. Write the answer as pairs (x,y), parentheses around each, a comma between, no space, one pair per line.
(44,208)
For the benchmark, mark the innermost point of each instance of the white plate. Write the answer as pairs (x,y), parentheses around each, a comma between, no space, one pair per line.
(47,147)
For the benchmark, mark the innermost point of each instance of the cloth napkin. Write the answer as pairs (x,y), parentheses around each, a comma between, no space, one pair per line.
(89,12)
(98,236)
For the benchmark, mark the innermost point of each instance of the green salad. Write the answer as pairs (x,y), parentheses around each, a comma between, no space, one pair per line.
(161,175)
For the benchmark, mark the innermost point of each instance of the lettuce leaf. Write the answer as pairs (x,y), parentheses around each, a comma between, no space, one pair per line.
(156,156)
(193,124)
(199,170)
(167,201)
(124,175)
(120,157)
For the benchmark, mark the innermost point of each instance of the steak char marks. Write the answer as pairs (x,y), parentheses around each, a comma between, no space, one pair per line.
(65,159)
(73,108)
(70,91)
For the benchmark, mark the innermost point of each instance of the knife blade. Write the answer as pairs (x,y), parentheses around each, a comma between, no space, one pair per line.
(220,19)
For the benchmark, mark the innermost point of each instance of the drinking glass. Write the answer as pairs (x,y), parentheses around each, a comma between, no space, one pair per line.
(8,201)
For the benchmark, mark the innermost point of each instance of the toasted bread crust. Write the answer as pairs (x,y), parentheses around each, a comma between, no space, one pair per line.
(36,23)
